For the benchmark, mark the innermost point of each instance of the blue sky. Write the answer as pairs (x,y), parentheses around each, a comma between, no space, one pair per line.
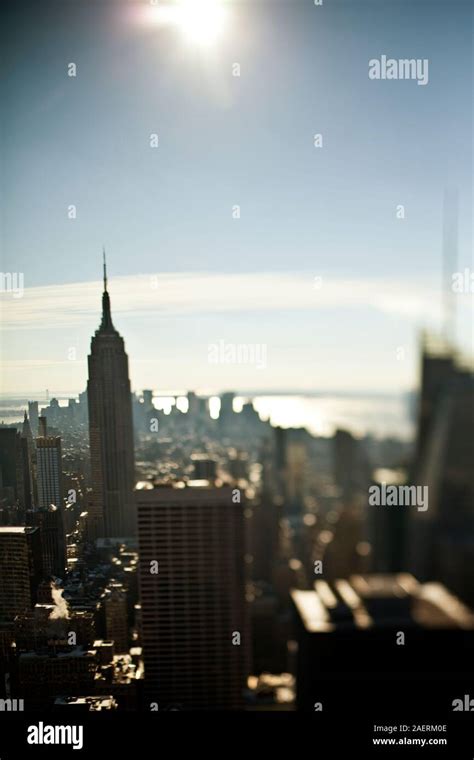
(224,140)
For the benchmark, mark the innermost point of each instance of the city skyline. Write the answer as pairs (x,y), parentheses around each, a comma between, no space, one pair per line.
(236,469)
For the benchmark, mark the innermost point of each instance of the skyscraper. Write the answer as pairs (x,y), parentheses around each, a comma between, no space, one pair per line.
(53,546)
(26,430)
(115,607)
(440,540)
(15,475)
(33,416)
(30,452)
(110,431)
(49,471)
(192,585)
(353,631)
(20,570)
(226,414)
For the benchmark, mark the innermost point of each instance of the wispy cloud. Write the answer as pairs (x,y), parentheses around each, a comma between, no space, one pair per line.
(64,306)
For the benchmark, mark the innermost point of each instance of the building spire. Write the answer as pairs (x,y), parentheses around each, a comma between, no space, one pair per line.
(106,323)
(26,429)
(105,269)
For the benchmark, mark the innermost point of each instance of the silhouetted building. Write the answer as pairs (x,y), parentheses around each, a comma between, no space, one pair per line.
(351,466)
(49,471)
(264,526)
(354,630)
(26,430)
(266,646)
(441,539)
(204,467)
(115,607)
(148,400)
(15,472)
(111,512)
(50,627)
(238,464)
(31,488)
(290,468)
(226,413)
(345,463)
(296,463)
(194,614)
(20,570)
(387,526)
(33,416)
(42,675)
(42,426)
(193,404)
(53,546)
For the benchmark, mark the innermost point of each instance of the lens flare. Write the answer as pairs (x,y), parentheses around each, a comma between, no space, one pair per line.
(202,21)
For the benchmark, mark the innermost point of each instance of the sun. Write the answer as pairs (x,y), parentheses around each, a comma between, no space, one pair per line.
(202,21)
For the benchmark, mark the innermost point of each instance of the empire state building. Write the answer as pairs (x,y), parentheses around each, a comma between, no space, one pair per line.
(111,512)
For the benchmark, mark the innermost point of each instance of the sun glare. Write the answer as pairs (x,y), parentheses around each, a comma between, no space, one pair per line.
(202,21)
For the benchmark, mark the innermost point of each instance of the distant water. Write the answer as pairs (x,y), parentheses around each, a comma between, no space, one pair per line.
(382,416)
(321,415)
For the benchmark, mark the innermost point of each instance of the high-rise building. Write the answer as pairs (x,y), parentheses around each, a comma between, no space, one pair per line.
(15,473)
(291,463)
(53,547)
(111,512)
(297,458)
(192,585)
(345,464)
(265,524)
(42,426)
(440,540)
(226,413)
(115,607)
(148,400)
(351,465)
(193,404)
(20,570)
(26,430)
(33,414)
(29,450)
(49,471)
(378,628)
(387,528)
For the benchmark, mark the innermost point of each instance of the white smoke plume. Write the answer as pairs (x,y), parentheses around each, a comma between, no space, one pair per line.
(60,611)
